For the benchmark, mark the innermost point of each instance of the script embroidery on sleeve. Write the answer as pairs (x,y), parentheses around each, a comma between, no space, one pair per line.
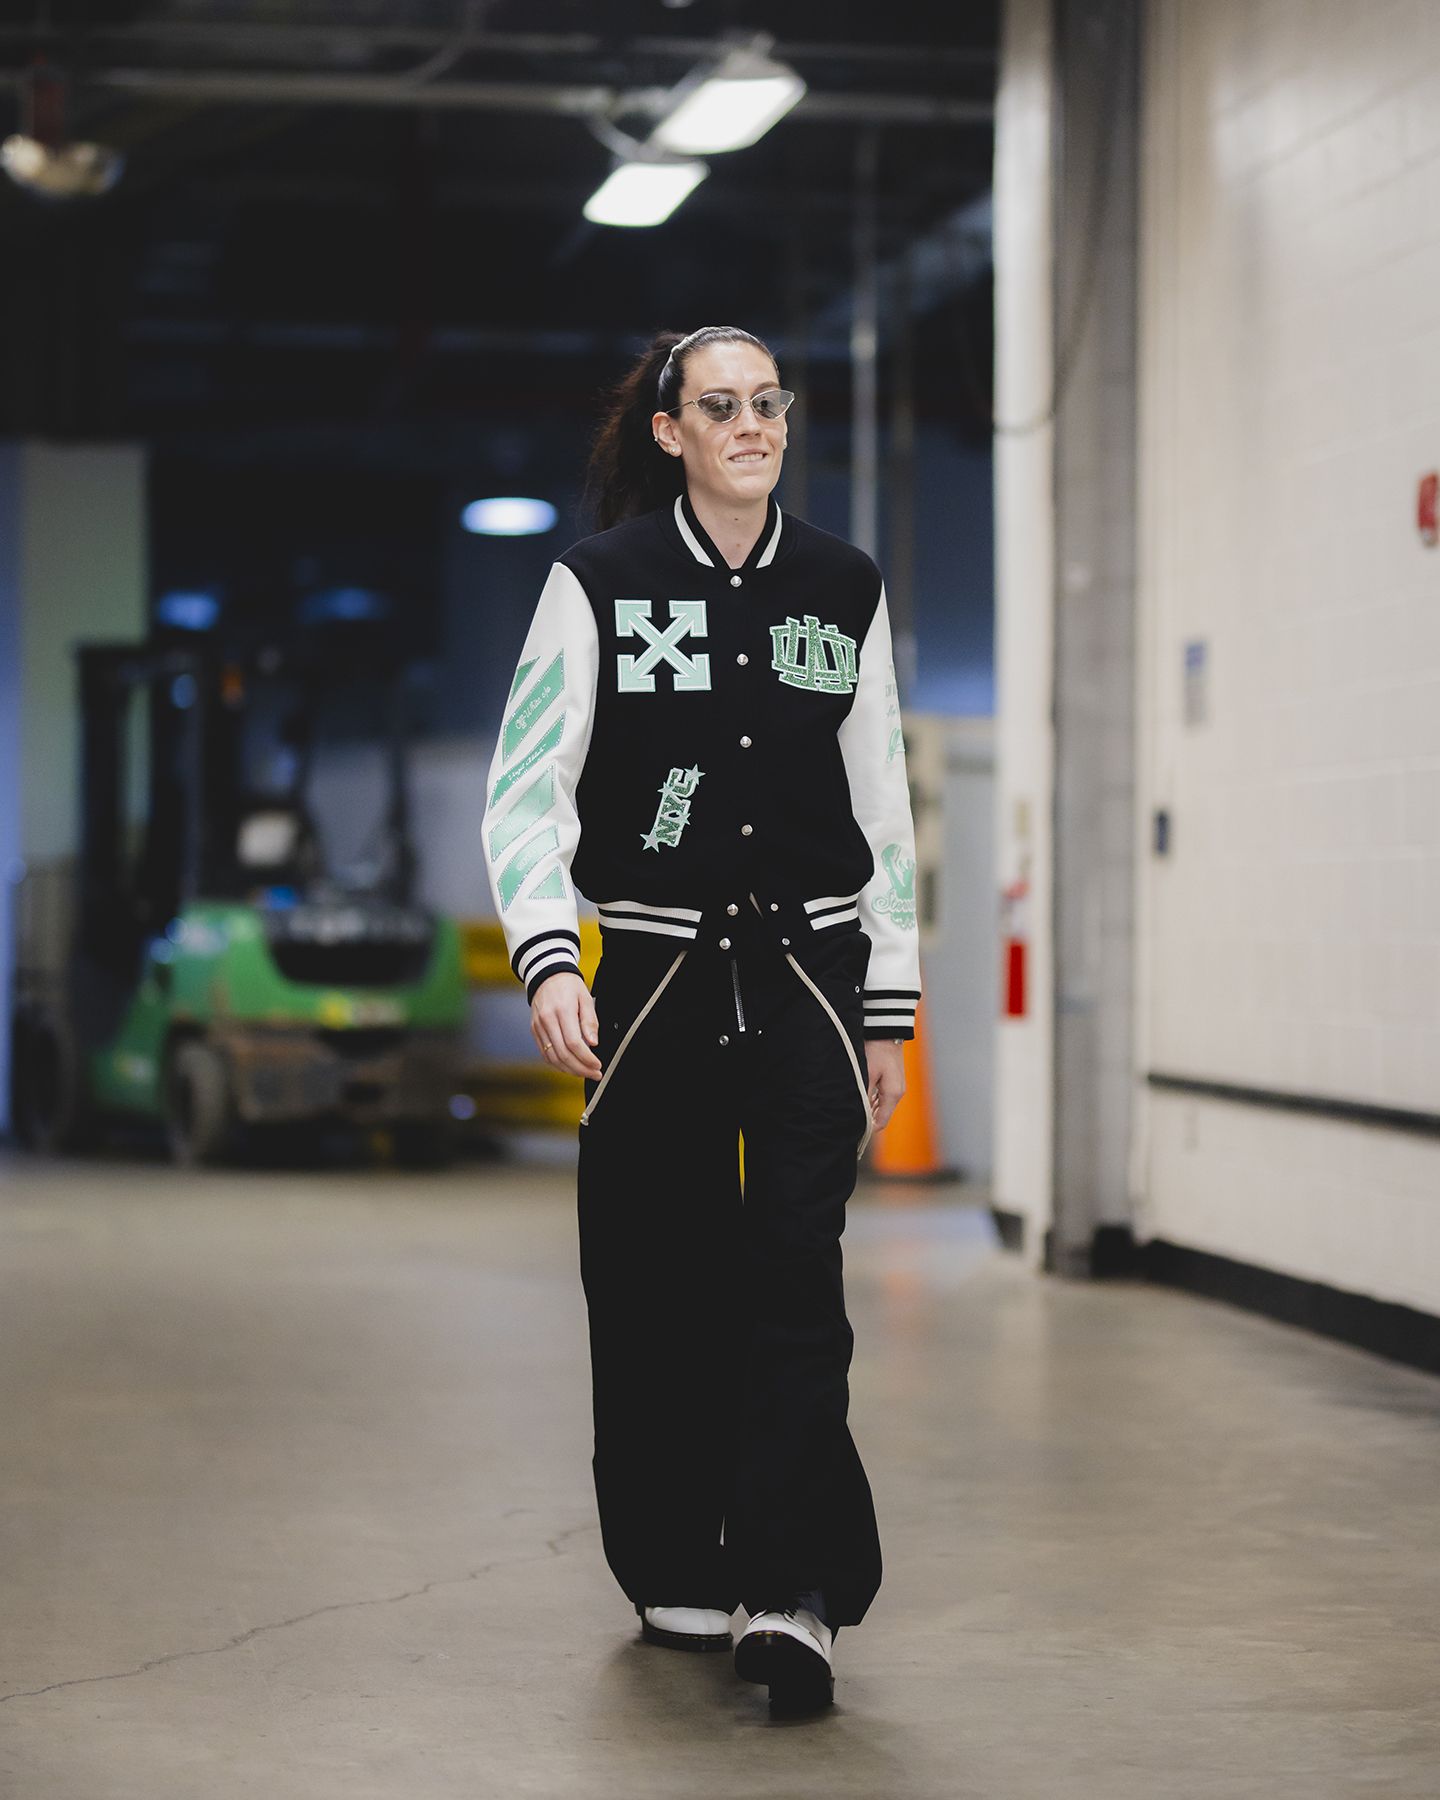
(899,901)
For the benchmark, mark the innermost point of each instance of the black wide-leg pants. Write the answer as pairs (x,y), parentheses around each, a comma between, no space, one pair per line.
(720,1347)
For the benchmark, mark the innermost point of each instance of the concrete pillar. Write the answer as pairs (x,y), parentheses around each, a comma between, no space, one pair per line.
(1024,620)
(1065,267)
(73,566)
(1095,496)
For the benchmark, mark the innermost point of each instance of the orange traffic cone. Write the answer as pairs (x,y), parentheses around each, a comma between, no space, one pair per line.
(908,1148)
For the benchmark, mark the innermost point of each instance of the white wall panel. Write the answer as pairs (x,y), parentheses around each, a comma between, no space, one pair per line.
(1290,401)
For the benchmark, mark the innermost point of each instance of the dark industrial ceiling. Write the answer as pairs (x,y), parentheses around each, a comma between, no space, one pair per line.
(349,213)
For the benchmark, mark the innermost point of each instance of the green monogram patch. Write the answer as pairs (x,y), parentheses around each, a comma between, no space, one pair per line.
(810,655)
(674,811)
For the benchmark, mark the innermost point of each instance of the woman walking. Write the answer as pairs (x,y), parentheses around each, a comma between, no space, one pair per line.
(703,738)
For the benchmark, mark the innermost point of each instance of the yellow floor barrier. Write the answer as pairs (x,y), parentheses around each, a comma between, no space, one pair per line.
(519,1096)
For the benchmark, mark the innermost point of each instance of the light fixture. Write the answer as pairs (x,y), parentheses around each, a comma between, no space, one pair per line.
(40,159)
(344,603)
(508,515)
(60,172)
(730,106)
(188,609)
(643,192)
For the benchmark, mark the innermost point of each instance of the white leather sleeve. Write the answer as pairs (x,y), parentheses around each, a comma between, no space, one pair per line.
(874,753)
(531,826)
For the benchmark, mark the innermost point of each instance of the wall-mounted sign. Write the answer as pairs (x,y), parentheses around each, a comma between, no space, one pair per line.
(1197,682)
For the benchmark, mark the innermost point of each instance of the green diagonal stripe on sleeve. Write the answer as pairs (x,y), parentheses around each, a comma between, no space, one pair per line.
(524,860)
(531,807)
(551,888)
(542,747)
(520,675)
(548,687)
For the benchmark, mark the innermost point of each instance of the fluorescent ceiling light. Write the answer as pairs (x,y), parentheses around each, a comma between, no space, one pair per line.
(643,193)
(60,171)
(733,107)
(508,515)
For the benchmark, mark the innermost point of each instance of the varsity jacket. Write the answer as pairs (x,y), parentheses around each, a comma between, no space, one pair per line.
(682,738)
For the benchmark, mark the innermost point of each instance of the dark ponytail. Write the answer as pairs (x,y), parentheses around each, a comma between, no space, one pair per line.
(628,473)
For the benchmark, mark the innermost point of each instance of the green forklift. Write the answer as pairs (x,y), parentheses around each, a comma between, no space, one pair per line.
(205,964)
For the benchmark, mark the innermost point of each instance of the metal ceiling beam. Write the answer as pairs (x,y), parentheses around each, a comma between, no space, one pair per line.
(467,340)
(575,100)
(521,194)
(299,40)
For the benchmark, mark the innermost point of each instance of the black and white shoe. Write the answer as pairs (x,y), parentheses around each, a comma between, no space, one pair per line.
(685,1627)
(787,1649)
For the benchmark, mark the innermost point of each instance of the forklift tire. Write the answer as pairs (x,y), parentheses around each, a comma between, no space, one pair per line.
(48,1105)
(199,1107)
(424,1145)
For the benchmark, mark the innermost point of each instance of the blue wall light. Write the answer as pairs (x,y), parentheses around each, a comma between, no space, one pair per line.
(344,603)
(188,609)
(509,516)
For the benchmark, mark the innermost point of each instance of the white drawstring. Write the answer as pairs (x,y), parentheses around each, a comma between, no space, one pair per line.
(635,1025)
(833,1016)
(849,1051)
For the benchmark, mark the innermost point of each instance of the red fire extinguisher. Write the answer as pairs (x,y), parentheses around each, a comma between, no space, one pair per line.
(1015,945)
(1425,510)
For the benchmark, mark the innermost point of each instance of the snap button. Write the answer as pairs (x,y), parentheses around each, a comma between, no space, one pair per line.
(742,659)
(745,830)
(774,906)
(785,941)
(734,581)
(744,743)
(724,943)
(732,909)
(723,1038)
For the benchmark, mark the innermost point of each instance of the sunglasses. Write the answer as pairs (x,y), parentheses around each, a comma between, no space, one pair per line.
(724,409)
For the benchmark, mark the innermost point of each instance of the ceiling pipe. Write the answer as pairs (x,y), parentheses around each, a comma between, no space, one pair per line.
(301,41)
(575,100)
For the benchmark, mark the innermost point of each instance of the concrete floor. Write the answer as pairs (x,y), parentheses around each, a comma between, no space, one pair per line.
(295,1502)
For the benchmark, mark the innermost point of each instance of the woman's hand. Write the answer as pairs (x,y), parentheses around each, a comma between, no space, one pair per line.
(563,1021)
(885,1064)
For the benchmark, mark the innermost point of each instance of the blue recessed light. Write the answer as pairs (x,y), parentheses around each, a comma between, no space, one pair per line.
(509,516)
(343,603)
(188,609)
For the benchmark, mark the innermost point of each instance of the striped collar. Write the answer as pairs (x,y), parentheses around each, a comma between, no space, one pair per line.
(697,541)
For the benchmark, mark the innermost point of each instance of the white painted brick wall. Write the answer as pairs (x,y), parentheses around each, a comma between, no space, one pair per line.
(1290,401)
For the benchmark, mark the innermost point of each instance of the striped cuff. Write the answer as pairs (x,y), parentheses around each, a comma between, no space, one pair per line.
(890,1012)
(548,953)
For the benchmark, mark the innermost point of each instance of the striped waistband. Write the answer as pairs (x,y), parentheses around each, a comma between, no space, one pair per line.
(684,921)
(640,915)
